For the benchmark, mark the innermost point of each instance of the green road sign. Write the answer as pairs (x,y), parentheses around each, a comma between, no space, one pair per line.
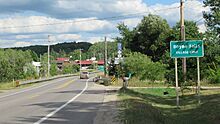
(186,49)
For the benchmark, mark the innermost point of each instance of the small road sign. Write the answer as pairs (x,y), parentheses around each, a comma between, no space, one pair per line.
(113,80)
(186,49)
(119,47)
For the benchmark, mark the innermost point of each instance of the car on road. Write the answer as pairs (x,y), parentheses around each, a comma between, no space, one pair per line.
(84,75)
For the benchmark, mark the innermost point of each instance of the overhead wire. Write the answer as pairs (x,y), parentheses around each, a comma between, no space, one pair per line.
(90,19)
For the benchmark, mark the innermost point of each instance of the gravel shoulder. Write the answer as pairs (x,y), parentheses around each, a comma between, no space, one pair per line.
(109,111)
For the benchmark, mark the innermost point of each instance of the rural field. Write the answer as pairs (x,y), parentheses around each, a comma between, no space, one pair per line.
(151,106)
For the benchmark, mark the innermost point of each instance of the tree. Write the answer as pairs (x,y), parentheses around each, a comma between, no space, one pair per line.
(142,67)
(69,68)
(213,16)
(97,50)
(150,37)
(75,55)
(30,71)
(44,65)
(212,41)
(191,31)
(53,69)
(12,64)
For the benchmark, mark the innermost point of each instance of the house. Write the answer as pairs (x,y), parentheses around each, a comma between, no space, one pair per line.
(37,66)
(86,63)
(62,61)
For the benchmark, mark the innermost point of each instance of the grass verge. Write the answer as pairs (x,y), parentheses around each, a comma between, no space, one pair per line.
(134,82)
(11,85)
(150,106)
(7,86)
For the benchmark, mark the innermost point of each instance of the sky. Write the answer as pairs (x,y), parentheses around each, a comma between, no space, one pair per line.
(29,22)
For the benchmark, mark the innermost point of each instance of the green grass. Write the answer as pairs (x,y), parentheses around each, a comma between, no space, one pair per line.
(150,106)
(7,86)
(134,82)
(11,85)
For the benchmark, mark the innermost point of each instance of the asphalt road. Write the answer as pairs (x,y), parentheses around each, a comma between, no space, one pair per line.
(62,101)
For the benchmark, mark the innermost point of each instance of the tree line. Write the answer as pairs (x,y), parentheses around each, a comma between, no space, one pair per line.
(146,50)
(151,39)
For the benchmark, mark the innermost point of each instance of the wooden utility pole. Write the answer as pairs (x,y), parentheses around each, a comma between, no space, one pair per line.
(105,71)
(80,60)
(182,32)
(48,57)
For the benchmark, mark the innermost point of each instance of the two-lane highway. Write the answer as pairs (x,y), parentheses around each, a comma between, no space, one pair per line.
(66,100)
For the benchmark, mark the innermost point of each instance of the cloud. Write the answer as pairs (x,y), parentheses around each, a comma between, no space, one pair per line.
(42,24)
(66,37)
(13,43)
(202,28)
(21,44)
(73,8)
(78,19)
(132,22)
(192,11)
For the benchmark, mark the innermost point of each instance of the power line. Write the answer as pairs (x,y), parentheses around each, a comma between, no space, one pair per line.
(199,20)
(91,19)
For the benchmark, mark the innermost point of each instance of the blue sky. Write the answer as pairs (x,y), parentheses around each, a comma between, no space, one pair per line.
(29,22)
(152,2)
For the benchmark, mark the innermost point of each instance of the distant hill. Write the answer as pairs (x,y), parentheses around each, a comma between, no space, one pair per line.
(67,47)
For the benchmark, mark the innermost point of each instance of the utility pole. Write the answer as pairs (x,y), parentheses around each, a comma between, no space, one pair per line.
(105,57)
(48,57)
(80,59)
(182,31)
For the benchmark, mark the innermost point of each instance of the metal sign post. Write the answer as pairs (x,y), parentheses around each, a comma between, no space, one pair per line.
(186,49)
(177,87)
(198,74)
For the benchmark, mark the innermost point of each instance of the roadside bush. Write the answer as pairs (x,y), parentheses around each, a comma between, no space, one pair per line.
(214,76)
(106,81)
(142,67)
(75,68)
(69,69)
(154,71)
(30,71)
(53,69)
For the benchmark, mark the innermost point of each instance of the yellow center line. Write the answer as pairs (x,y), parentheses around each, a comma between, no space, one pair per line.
(59,87)
(64,85)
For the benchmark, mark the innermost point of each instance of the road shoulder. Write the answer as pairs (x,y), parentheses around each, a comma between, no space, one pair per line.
(107,114)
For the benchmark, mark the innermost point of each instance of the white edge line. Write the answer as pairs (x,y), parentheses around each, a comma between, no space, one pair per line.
(25,90)
(61,107)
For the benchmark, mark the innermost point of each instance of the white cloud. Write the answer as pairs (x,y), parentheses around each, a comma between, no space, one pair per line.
(65,37)
(80,11)
(192,11)
(13,43)
(128,6)
(34,25)
(202,28)
(132,22)
(94,39)
(21,44)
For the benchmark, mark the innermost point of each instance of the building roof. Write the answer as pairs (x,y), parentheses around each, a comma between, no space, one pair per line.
(89,62)
(84,62)
(100,62)
(63,59)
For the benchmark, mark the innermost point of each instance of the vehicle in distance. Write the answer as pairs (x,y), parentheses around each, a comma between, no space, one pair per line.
(84,75)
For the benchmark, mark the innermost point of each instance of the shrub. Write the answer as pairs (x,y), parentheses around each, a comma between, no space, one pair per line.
(68,69)
(142,67)
(30,71)
(53,69)
(214,76)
